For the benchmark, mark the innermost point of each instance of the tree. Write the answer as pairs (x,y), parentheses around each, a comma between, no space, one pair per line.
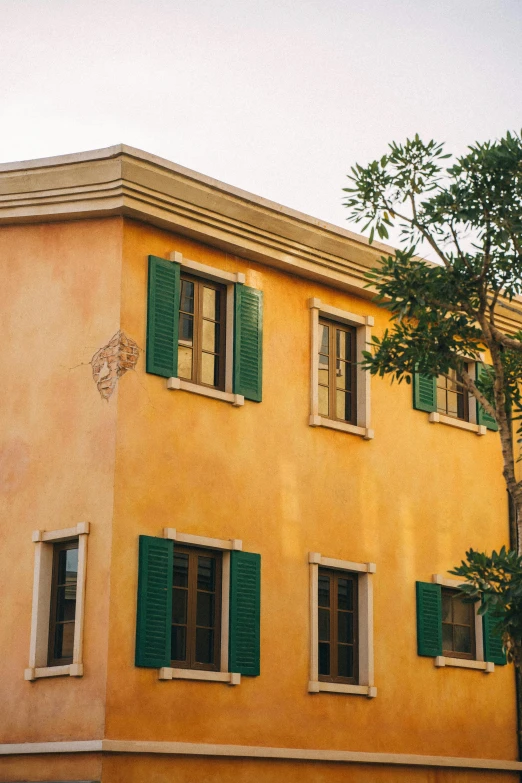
(446,313)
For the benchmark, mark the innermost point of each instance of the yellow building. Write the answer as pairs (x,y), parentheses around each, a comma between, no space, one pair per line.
(224,550)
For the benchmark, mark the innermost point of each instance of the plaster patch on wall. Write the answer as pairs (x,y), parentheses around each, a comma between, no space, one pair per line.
(112,361)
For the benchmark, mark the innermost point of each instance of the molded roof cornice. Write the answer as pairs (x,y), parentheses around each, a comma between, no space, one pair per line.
(124,181)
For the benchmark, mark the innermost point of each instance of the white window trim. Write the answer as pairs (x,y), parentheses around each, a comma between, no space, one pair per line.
(43,569)
(226,545)
(363,326)
(366,686)
(225,278)
(464,663)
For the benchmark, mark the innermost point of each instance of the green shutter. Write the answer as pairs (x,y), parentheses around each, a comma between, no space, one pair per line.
(429,619)
(248,342)
(424,392)
(483,417)
(245,600)
(154,618)
(163,317)
(492,642)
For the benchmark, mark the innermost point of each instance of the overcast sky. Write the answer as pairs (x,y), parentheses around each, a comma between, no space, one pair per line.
(273,96)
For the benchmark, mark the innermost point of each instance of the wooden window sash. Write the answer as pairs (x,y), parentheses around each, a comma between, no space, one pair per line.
(53,622)
(335,326)
(334,576)
(471,656)
(197,336)
(460,393)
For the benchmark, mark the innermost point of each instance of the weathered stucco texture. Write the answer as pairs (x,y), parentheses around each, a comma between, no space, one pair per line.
(59,302)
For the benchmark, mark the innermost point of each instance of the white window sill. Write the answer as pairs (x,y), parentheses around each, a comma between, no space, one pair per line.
(321,421)
(440,418)
(237,400)
(464,663)
(71,670)
(167,673)
(316,686)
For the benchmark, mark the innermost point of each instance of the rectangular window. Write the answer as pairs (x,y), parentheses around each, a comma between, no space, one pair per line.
(337,616)
(201,341)
(62,615)
(337,371)
(458,625)
(452,397)
(196,609)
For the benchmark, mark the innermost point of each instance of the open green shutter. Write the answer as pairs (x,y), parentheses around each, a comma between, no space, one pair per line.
(492,642)
(154,618)
(424,392)
(483,417)
(248,342)
(245,606)
(429,619)
(163,317)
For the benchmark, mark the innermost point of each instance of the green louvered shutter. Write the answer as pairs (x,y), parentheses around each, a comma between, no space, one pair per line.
(429,619)
(492,642)
(424,392)
(248,342)
(154,618)
(245,606)
(483,417)
(163,317)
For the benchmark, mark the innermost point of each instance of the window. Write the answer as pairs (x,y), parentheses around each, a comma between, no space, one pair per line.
(198,608)
(340,388)
(204,330)
(60,569)
(337,371)
(452,398)
(63,603)
(338,632)
(451,631)
(341,624)
(201,343)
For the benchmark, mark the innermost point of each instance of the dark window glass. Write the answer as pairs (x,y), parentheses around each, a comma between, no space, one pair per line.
(452,398)
(337,366)
(201,342)
(337,617)
(458,625)
(63,603)
(196,608)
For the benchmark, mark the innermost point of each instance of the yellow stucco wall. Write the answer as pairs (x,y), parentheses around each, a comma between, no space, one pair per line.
(412,500)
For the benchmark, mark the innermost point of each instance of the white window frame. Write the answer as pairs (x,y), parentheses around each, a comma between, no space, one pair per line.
(362,326)
(41,610)
(229,279)
(226,546)
(472,425)
(465,663)
(365,571)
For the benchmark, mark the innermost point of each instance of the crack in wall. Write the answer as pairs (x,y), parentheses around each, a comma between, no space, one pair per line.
(112,361)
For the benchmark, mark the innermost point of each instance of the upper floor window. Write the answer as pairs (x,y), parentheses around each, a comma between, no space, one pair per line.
(458,625)
(202,328)
(337,371)
(337,614)
(63,603)
(452,397)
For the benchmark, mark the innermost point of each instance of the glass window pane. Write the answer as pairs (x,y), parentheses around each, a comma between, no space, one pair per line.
(343,402)
(209,369)
(343,375)
(324,406)
(180,578)
(71,563)
(323,370)
(441,400)
(344,345)
(324,591)
(324,625)
(324,337)
(66,602)
(324,658)
(345,627)
(206,573)
(204,645)
(447,636)
(179,606)
(462,613)
(211,303)
(205,610)
(452,404)
(462,637)
(186,329)
(184,362)
(178,643)
(446,607)
(187,296)
(345,660)
(345,594)
(210,341)
(64,640)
